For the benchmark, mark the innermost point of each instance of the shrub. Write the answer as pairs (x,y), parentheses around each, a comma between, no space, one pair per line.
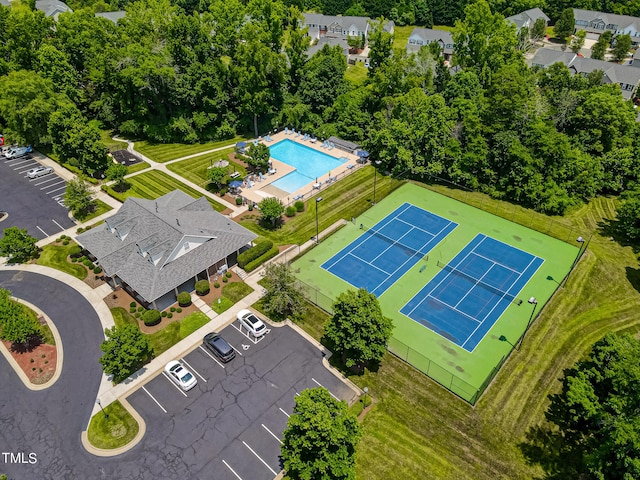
(249,267)
(164,314)
(227,274)
(133,304)
(141,308)
(238,200)
(225,279)
(299,206)
(202,287)
(250,207)
(172,309)
(75,251)
(170,315)
(97,270)
(87,262)
(216,284)
(80,230)
(184,299)
(87,228)
(65,242)
(254,252)
(290,211)
(91,266)
(74,260)
(132,309)
(151,318)
(178,310)
(59,239)
(137,315)
(223,192)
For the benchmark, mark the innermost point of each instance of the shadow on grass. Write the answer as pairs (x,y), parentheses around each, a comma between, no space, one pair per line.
(611,229)
(548,449)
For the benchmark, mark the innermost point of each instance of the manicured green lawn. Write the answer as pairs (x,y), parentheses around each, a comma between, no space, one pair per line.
(401,36)
(446,28)
(195,169)
(222,305)
(154,184)
(113,428)
(110,143)
(100,208)
(347,198)
(137,167)
(193,322)
(163,152)
(55,256)
(122,317)
(236,291)
(418,428)
(356,74)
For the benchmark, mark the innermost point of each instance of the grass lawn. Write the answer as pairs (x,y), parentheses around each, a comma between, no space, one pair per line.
(163,152)
(110,143)
(356,74)
(137,167)
(416,426)
(446,28)
(115,431)
(349,197)
(231,294)
(195,169)
(154,184)
(401,36)
(100,208)
(55,256)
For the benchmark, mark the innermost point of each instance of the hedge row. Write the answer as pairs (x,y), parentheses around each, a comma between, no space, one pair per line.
(251,266)
(253,253)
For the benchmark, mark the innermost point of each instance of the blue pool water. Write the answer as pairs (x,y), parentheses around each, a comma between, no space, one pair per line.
(309,163)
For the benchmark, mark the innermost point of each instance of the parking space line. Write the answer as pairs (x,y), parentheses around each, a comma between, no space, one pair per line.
(232,470)
(46,180)
(320,385)
(258,457)
(52,185)
(18,162)
(212,357)
(284,412)
(45,233)
(154,399)
(61,227)
(24,168)
(176,386)
(194,370)
(272,434)
(237,351)
(64,187)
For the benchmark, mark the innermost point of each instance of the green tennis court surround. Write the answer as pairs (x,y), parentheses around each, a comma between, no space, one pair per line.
(463,372)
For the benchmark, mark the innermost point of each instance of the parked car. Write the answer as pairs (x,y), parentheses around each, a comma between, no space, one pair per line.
(15,152)
(252,323)
(39,171)
(180,375)
(219,347)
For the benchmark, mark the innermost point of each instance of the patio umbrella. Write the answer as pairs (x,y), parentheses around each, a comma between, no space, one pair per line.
(235,184)
(363,153)
(221,163)
(241,144)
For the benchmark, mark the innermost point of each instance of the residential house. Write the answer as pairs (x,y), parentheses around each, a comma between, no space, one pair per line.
(5,3)
(340,41)
(595,23)
(424,36)
(626,76)
(52,8)
(636,59)
(156,248)
(113,16)
(528,18)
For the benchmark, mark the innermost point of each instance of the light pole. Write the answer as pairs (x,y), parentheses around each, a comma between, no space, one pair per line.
(581,241)
(533,301)
(504,339)
(318,200)
(106,415)
(375,176)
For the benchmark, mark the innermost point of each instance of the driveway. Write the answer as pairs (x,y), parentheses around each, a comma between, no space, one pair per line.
(216,431)
(32,204)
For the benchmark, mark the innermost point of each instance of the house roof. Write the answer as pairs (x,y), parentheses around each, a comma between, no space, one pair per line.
(612,21)
(428,35)
(332,41)
(5,3)
(345,22)
(113,16)
(527,18)
(52,8)
(616,73)
(156,245)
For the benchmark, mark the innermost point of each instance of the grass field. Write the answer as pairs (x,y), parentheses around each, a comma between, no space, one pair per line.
(154,184)
(195,169)
(163,152)
(401,36)
(137,167)
(100,208)
(55,256)
(109,142)
(349,197)
(115,431)
(416,426)
(460,370)
(356,74)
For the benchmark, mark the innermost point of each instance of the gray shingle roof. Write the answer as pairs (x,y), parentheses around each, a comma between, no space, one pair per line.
(426,36)
(52,8)
(345,22)
(545,57)
(528,17)
(5,3)
(156,245)
(113,16)
(339,40)
(614,22)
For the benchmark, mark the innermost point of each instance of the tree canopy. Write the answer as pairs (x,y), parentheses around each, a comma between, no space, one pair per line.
(126,350)
(282,296)
(17,245)
(271,210)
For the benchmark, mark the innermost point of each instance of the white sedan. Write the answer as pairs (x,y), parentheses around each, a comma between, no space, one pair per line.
(180,375)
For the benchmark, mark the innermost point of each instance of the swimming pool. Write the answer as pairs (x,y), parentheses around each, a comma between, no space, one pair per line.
(309,164)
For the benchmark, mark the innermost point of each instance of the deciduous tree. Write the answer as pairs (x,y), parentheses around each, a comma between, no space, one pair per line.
(258,157)
(358,331)
(17,324)
(126,350)
(629,216)
(217,175)
(380,43)
(18,245)
(116,173)
(621,47)
(565,24)
(283,296)
(320,440)
(271,209)
(78,197)
(600,48)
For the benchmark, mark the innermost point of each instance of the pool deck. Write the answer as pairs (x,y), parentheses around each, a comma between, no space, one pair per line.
(262,188)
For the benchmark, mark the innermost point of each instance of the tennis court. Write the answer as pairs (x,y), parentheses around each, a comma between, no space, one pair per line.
(384,253)
(472,291)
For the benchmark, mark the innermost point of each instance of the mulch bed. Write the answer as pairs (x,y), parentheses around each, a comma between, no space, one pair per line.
(39,363)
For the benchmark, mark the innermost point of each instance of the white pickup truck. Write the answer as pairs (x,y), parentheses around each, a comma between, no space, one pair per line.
(15,152)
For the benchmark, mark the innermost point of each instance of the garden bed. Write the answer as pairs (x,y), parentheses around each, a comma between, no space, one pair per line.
(38,364)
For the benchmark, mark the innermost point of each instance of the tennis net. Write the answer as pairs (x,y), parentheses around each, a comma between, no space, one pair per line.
(394,242)
(477,281)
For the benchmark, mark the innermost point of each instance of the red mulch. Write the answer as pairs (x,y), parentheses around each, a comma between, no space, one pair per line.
(39,364)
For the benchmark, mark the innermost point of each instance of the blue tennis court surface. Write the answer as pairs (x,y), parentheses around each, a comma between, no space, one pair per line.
(382,254)
(465,299)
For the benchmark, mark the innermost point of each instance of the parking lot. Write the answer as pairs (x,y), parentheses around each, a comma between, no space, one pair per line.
(230,425)
(35,204)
